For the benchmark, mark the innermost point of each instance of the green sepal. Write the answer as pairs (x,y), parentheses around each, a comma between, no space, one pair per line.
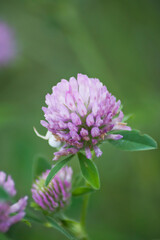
(74,227)
(27,222)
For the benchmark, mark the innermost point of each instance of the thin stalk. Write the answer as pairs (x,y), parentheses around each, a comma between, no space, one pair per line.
(85,203)
(84,210)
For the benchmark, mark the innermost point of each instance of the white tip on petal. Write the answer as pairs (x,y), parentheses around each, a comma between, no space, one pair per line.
(41,136)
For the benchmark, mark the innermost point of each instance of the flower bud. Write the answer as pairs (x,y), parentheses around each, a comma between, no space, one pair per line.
(57,194)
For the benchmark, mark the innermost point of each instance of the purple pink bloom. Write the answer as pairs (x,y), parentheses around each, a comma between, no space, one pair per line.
(10,213)
(57,194)
(7,44)
(81,113)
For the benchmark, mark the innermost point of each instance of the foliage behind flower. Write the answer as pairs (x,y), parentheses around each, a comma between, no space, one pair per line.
(81,113)
(57,194)
(10,214)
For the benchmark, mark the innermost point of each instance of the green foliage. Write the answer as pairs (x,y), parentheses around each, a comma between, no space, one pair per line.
(6,114)
(55,224)
(4,195)
(27,222)
(30,217)
(134,141)
(127,117)
(39,166)
(89,171)
(77,181)
(4,237)
(54,44)
(80,191)
(74,227)
(35,206)
(56,169)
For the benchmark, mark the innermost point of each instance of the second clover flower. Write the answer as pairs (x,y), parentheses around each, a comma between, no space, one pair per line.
(10,213)
(57,194)
(80,114)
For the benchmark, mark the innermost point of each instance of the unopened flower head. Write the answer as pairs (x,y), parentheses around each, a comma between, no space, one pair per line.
(81,113)
(10,213)
(57,194)
(7,44)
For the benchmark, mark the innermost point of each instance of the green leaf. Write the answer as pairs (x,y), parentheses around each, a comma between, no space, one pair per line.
(89,171)
(56,169)
(4,237)
(56,225)
(31,218)
(82,191)
(39,166)
(78,180)
(133,141)
(4,196)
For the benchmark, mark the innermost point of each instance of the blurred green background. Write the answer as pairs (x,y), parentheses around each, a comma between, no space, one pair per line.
(117,41)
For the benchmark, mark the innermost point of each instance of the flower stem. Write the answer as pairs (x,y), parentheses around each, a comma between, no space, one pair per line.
(84,210)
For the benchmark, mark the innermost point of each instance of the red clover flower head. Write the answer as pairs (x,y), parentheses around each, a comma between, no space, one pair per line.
(10,213)
(80,113)
(57,194)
